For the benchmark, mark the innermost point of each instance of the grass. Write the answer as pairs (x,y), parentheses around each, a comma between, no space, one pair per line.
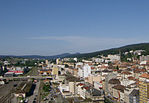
(33,72)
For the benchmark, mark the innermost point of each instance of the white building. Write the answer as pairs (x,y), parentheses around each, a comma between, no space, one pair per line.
(85,71)
(144,58)
(98,60)
(79,64)
(114,57)
(75,59)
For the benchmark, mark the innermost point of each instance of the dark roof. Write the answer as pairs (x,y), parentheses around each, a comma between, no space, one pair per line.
(134,92)
(24,87)
(114,81)
(119,87)
(94,92)
(106,70)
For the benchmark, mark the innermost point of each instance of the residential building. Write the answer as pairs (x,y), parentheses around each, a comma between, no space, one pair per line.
(144,88)
(134,96)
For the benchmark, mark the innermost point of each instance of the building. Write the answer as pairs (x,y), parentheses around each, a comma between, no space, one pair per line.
(114,57)
(112,82)
(134,96)
(17,72)
(58,61)
(55,71)
(118,93)
(47,62)
(85,71)
(9,74)
(144,88)
(95,95)
(107,78)
(24,89)
(45,72)
(144,58)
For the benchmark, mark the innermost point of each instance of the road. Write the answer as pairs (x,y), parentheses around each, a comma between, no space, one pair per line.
(55,97)
(35,94)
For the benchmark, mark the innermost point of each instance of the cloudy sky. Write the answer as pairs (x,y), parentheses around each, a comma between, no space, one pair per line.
(50,27)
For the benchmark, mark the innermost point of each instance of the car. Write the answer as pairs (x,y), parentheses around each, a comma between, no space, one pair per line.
(26,100)
(14,85)
(34,101)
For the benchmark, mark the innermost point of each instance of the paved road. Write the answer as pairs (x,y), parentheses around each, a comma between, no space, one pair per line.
(35,94)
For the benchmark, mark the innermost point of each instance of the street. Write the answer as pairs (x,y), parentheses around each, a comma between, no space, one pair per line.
(33,98)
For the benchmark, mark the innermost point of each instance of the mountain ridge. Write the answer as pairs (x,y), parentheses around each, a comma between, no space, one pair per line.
(126,48)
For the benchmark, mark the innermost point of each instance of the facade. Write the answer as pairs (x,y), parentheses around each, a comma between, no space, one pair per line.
(55,71)
(85,71)
(107,78)
(144,58)
(144,88)
(118,92)
(134,96)
(114,57)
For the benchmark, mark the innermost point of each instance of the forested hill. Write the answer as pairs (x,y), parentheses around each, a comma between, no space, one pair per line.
(141,46)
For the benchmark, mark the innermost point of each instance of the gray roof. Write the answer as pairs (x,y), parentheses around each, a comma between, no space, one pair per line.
(134,92)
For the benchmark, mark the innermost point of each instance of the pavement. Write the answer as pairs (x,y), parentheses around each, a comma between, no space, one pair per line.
(55,97)
(35,94)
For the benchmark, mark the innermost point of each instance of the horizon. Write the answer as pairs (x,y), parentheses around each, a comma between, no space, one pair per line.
(77,52)
(47,28)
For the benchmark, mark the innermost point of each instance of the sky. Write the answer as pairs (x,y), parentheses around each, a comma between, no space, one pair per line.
(50,27)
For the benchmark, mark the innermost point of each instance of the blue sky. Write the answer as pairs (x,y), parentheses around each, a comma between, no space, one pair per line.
(49,27)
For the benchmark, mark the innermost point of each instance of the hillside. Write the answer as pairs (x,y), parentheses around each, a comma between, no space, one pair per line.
(141,46)
(38,56)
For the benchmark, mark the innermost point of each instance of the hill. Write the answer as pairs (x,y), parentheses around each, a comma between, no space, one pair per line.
(141,46)
(38,56)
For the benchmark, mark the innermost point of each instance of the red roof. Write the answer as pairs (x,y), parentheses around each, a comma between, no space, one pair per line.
(145,75)
(16,71)
(86,88)
(81,84)
(131,78)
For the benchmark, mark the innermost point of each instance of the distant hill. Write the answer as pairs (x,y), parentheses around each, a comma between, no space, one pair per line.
(141,46)
(38,56)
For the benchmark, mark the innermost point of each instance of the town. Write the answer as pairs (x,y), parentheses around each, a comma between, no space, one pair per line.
(101,79)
